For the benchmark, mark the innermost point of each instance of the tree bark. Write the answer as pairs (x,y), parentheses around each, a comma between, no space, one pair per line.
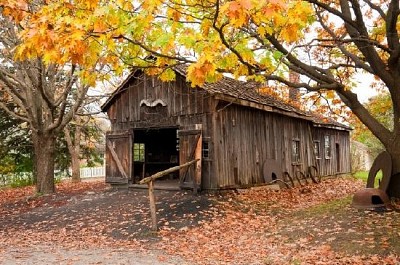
(394,184)
(76,174)
(74,150)
(44,144)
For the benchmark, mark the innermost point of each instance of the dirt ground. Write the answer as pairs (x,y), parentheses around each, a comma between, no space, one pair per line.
(93,226)
(90,223)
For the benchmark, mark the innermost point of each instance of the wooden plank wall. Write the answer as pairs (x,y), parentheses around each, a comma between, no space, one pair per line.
(338,138)
(240,145)
(244,138)
(184,106)
(240,139)
(126,111)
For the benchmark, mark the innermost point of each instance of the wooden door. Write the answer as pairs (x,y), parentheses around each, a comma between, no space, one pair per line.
(338,157)
(190,148)
(119,157)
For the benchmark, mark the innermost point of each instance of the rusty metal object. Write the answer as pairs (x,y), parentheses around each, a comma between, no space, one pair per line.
(370,198)
(382,162)
(271,170)
(299,175)
(286,177)
(314,174)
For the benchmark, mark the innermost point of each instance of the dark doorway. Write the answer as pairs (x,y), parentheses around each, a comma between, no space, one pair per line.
(338,157)
(154,150)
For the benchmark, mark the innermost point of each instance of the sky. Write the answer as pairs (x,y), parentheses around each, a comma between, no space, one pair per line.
(363,89)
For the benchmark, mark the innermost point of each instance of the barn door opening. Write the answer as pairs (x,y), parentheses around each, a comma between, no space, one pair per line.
(338,158)
(119,157)
(190,148)
(155,150)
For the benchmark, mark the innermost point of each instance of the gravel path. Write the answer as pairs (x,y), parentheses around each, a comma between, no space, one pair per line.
(44,255)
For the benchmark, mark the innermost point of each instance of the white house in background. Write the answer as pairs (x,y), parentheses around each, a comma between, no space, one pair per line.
(361,156)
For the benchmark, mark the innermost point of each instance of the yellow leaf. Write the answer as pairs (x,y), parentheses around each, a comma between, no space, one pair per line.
(290,33)
(167,75)
(99,26)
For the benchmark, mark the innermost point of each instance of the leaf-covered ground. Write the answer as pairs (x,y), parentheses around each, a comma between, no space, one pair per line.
(91,223)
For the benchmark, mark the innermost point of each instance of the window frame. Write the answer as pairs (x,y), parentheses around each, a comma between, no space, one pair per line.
(296,151)
(139,151)
(327,147)
(317,143)
(206,148)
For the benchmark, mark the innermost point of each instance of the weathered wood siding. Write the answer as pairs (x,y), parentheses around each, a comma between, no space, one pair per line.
(338,161)
(245,139)
(184,105)
(118,156)
(241,141)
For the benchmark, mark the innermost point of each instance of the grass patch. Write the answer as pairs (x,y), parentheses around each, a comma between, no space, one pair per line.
(20,180)
(363,175)
(325,208)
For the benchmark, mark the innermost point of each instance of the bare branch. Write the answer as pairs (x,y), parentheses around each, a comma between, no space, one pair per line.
(376,8)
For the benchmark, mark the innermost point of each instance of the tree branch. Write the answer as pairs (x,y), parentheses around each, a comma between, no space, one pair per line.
(392,33)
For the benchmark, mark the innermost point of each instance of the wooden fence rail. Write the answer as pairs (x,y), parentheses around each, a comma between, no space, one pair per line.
(150,183)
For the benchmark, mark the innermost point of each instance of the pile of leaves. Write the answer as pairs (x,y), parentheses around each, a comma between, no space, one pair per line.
(263,226)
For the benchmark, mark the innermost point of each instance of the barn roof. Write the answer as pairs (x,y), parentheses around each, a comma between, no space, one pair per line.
(245,94)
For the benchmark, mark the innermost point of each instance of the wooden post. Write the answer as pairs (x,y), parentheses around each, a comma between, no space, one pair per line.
(153,211)
(150,183)
(197,173)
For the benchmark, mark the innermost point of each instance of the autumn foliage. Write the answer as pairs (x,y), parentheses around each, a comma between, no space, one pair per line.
(328,43)
(121,33)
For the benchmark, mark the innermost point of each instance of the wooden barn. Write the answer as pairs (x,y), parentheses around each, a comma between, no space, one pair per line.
(242,138)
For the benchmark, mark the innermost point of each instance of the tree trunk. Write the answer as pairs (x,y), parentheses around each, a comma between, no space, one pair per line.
(76,174)
(394,184)
(43,144)
(34,172)
(74,150)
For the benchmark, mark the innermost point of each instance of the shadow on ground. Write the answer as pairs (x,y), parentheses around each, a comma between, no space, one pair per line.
(119,214)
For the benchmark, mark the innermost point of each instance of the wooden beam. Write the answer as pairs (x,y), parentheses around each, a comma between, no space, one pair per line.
(189,132)
(192,154)
(165,172)
(197,156)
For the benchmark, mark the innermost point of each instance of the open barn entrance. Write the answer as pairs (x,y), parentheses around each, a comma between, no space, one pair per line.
(155,150)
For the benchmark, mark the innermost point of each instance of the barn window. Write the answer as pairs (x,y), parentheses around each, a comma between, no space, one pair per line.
(138,152)
(296,150)
(206,149)
(327,147)
(317,149)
